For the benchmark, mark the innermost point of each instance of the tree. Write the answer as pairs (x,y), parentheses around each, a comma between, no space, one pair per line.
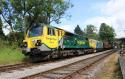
(20,15)
(1,31)
(7,13)
(44,11)
(90,31)
(78,30)
(106,33)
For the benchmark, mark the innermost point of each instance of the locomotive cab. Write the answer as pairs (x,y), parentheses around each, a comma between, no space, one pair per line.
(41,38)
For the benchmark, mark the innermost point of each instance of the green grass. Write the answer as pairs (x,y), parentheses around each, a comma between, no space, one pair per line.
(10,54)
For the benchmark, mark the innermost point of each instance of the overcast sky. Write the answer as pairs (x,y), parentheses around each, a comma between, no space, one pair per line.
(96,12)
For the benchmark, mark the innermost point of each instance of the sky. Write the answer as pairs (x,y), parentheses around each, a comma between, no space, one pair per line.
(84,12)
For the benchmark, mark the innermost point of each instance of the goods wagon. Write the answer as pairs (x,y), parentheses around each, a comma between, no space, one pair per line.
(107,45)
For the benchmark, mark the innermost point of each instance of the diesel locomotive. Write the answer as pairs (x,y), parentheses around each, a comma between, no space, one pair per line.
(46,41)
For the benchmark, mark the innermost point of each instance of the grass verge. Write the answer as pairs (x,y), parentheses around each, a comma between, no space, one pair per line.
(9,54)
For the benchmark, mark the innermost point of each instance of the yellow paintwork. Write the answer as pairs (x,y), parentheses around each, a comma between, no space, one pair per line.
(51,41)
(92,43)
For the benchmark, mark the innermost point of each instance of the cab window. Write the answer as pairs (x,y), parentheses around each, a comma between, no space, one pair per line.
(51,31)
(35,30)
(61,33)
(58,33)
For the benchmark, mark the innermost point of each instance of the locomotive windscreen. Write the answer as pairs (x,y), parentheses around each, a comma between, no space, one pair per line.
(35,30)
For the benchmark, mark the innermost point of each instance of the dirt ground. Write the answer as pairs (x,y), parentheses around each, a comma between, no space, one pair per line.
(107,68)
(111,69)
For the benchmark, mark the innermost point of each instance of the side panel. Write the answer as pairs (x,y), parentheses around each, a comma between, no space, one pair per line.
(61,34)
(86,45)
(75,42)
(92,43)
(99,44)
(69,42)
(51,41)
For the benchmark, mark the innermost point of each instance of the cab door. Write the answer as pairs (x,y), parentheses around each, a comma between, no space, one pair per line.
(51,38)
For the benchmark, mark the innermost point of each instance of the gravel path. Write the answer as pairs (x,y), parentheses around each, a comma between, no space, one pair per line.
(93,71)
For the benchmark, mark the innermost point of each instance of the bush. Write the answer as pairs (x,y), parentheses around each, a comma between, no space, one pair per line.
(10,53)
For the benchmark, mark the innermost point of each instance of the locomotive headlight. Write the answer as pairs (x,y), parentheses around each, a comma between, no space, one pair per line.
(25,44)
(38,43)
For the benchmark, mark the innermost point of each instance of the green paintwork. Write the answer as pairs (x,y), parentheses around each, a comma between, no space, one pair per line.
(75,42)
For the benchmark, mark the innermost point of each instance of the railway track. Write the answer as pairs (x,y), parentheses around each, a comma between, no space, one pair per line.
(67,71)
(14,67)
(8,68)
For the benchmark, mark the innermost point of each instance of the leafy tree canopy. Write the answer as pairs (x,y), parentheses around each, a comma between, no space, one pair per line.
(90,31)
(1,31)
(106,33)
(20,15)
(78,30)
(44,11)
